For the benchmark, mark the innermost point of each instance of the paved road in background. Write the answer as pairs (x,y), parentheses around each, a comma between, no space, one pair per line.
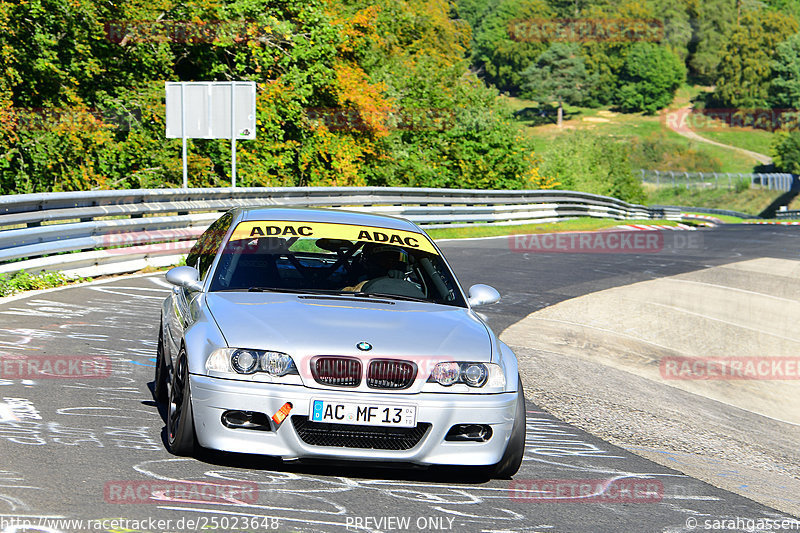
(66,444)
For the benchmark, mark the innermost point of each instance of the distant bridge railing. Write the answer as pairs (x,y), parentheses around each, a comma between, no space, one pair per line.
(719,180)
(707,211)
(788,214)
(109,232)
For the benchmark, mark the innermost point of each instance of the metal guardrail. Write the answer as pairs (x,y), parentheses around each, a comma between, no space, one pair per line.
(110,232)
(716,180)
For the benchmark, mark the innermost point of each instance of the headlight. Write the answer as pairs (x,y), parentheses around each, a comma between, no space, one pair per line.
(277,363)
(220,361)
(241,361)
(244,361)
(445,373)
(472,374)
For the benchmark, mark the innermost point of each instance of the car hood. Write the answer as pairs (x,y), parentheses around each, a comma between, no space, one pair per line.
(304,326)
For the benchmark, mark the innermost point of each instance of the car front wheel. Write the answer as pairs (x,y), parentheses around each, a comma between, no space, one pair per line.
(160,383)
(515,450)
(180,424)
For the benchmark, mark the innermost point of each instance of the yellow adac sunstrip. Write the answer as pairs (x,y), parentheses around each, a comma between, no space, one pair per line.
(318,230)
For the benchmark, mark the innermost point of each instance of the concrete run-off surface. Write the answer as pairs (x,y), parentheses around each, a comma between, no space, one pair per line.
(598,362)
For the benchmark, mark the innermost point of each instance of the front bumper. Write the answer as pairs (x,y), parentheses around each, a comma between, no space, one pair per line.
(211,397)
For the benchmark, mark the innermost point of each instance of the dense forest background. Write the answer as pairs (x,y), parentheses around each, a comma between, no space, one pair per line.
(368,92)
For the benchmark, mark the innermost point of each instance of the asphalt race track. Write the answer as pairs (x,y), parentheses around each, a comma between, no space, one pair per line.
(72,447)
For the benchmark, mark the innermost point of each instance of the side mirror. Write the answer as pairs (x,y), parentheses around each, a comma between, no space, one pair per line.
(481,294)
(186,277)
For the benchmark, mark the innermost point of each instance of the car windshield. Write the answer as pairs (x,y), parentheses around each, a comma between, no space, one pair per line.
(334,259)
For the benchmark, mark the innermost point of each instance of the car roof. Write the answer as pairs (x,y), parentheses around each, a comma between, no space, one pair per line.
(335,216)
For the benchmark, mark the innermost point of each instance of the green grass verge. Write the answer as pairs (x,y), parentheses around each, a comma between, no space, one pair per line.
(725,218)
(731,160)
(750,201)
(577,224)
(749,139)
(23,281)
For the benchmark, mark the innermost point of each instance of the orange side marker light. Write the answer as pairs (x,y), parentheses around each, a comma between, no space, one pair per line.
(282,413)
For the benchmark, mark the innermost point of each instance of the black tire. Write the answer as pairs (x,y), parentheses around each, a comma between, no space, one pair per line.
(515,450)
(180,422)
(162,374)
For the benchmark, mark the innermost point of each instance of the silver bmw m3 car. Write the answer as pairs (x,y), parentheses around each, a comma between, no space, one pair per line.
(326,334)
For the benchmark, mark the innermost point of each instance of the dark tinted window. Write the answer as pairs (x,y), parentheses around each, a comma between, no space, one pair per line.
(409,268)
(203,252)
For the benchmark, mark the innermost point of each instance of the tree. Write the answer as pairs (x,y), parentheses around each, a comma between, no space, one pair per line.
(786,151)
(649,79)
(745,72)
(559,74)
(716,20)
(675,17)
(507,42)
(351,92)
(791,7)
(568,8)
(784,90)
(605,57)
(474,11)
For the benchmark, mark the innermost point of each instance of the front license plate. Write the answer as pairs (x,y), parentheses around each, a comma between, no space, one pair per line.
(365,414)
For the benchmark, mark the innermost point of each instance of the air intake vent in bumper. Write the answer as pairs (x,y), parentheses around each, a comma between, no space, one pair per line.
(353,436)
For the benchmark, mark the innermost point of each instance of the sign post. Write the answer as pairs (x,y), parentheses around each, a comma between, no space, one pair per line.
(211,110)
(183,138)
(233,139)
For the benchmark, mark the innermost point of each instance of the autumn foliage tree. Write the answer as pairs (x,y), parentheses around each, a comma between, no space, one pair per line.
(745,71)
(357,92)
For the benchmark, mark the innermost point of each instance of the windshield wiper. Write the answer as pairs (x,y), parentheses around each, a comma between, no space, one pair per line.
(292,291)
(328,292)
(385,295)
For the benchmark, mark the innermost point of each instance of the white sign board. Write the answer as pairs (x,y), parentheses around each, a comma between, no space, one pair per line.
(204,110)
(211,110)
